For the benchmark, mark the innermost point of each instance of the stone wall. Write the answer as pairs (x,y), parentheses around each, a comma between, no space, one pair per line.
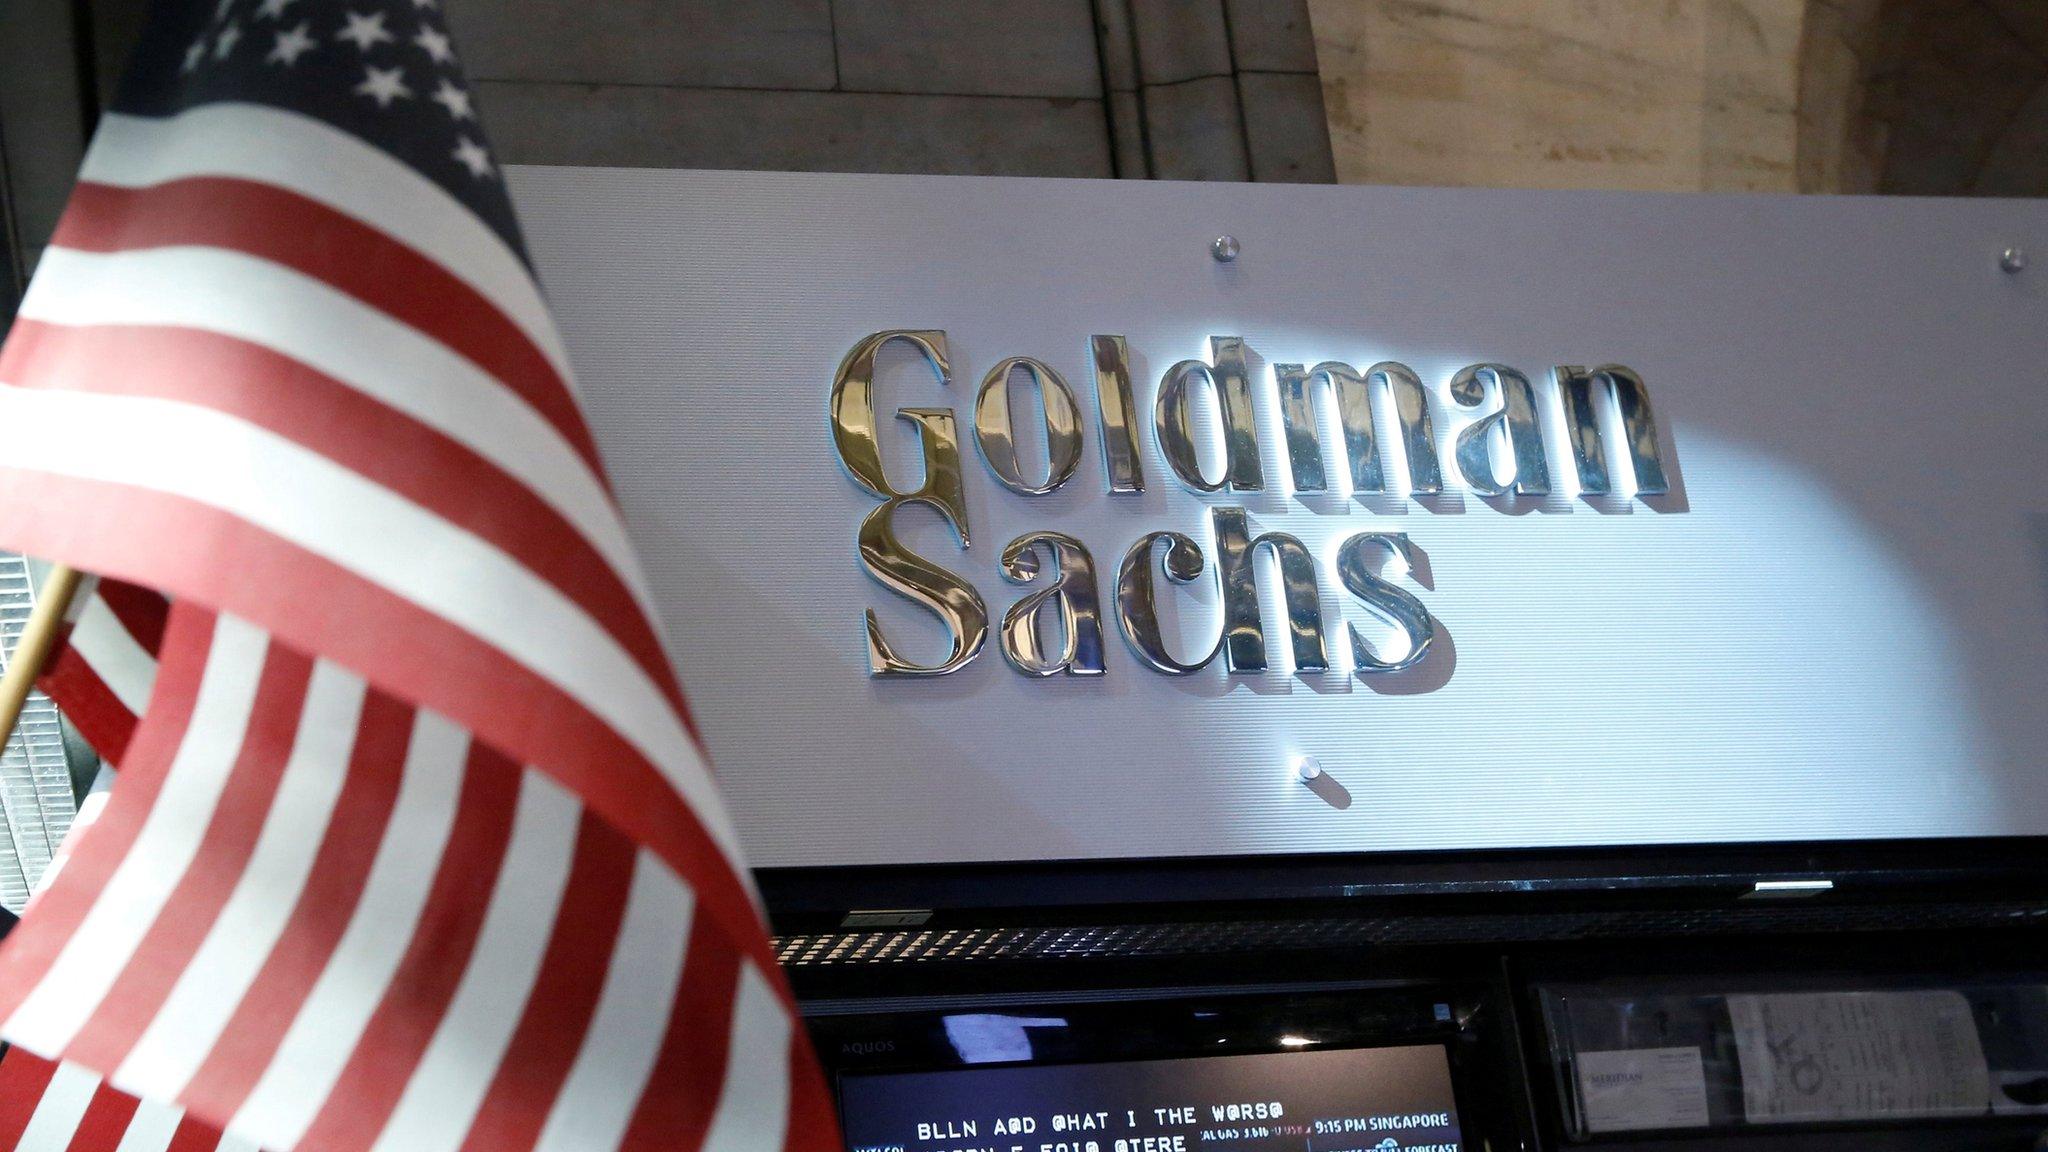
(1937,97)
(41,130)
(1691,94)
(1166,89)
(1916,96)
(1173,89)
(1961,92)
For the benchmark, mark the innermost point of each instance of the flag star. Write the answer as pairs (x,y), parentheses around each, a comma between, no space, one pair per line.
(195,54)
(435,42)
(365,32)
(471,155)
(456,100)
(225,43)
(291,45)
(273,8)
(383,85)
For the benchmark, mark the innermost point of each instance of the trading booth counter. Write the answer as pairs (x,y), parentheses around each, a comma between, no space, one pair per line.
(1572,1006)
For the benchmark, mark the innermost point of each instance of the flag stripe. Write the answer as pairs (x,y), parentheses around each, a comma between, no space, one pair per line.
(64,1101)
(691,1066)
(389,1048)
(143,614)
(451,671)
(105,1120)
(282,227)
(111,1120)
(299,497)
(154,1127)
(23,1080)
(415,859)
(195,903)
(753,1107)
(321,163)
(34,945)
(355,431)
(196,1137)
(564,992)
(813,1117)
(94,955)
(115,653)
(90,703)
(106,666)
(619,1050)
(455,1071)
(323,913)
(252,300)
(268,887)
(361,625)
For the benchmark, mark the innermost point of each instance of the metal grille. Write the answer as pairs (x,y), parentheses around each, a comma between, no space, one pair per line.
(1128,941)
(36,805)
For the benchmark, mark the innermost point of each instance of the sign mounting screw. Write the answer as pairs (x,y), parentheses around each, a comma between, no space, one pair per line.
(1224,249)
(2013,259)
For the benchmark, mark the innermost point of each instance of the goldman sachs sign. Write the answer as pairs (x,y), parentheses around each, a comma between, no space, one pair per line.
(995,519)
(1492,404)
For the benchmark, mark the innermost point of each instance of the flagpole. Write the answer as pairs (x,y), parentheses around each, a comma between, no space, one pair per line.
(38,640)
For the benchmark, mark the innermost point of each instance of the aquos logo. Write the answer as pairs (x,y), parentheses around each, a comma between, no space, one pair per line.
(1498,450)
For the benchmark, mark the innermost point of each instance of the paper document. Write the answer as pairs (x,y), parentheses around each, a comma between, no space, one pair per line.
(1642,1088)
(1859,1056)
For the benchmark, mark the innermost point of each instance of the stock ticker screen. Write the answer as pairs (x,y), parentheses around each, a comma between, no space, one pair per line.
(1343,1100)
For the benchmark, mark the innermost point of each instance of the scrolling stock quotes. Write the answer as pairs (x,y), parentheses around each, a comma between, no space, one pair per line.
(1497,403)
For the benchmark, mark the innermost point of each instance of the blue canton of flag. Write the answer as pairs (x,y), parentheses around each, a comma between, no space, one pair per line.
(384,71)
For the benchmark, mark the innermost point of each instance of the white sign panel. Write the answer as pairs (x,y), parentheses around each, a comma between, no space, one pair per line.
(1834,624)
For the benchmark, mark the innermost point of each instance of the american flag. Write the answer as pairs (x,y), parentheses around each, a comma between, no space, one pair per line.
(413,845)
